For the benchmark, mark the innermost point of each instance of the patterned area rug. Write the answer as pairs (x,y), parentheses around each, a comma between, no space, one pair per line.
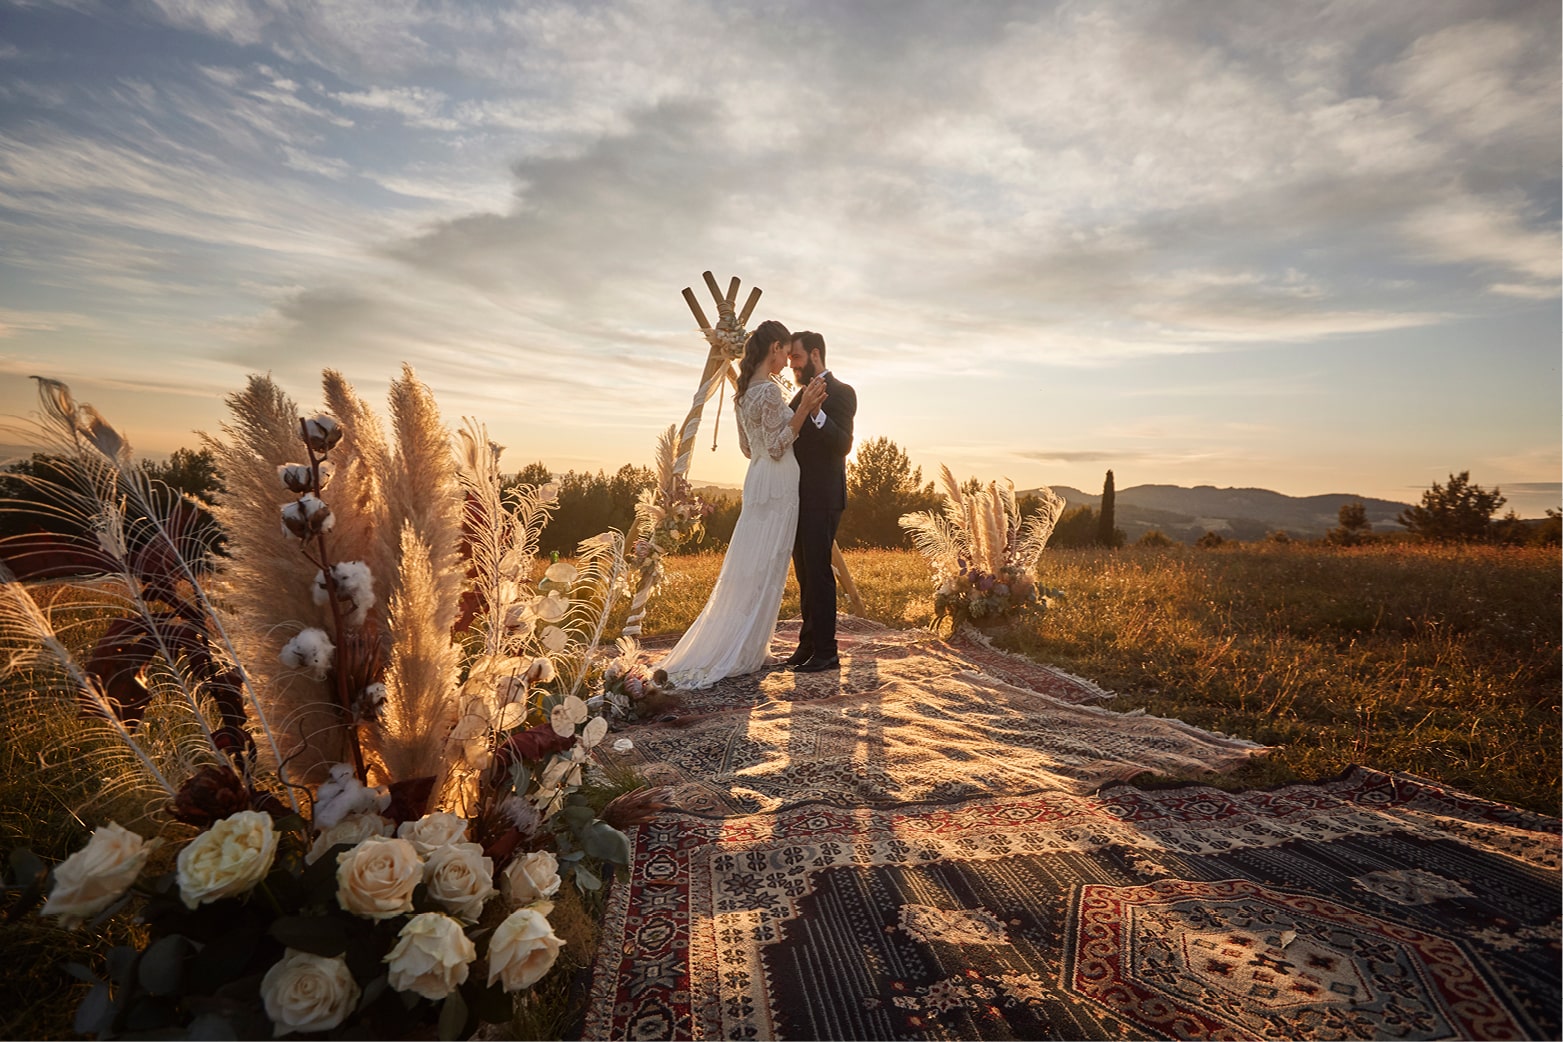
(1374,906)
(939,737)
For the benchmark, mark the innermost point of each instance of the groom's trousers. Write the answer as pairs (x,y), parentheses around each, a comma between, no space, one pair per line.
(816,580)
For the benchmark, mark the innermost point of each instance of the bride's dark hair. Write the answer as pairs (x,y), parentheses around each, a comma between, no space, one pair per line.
(756,348)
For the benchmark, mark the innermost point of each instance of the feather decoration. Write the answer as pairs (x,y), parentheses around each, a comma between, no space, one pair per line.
(1038,528)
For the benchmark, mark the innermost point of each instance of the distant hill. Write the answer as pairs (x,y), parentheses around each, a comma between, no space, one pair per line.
(1186,514)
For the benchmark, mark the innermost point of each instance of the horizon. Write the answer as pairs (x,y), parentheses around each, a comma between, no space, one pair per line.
(1307,248)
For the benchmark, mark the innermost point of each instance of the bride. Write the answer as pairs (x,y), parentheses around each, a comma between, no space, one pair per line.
(733,633)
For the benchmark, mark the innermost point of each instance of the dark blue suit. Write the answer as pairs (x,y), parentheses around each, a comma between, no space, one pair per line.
(822,496)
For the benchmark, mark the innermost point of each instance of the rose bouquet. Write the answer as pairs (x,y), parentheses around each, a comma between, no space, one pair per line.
(360,721)
(982,552)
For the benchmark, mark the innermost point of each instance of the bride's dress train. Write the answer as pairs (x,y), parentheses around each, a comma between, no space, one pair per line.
(733,634)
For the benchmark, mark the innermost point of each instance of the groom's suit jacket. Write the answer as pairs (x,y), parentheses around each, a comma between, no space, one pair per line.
(822,450)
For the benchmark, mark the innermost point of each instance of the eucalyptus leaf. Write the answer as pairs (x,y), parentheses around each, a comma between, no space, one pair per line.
(81,973)
(96,1013)
(453,1017)
(161,969)
(586,879)
(121,961)
(26,867)
(576,817)
(606,843)
(109,912)
(318,935)
(373,990)
(212,1026)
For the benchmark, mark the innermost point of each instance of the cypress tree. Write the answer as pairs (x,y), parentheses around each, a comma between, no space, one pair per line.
(1105,536)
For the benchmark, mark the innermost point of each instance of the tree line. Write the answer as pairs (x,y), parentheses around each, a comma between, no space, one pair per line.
(882,484)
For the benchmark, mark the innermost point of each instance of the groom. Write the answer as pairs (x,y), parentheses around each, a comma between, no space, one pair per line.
(821,450)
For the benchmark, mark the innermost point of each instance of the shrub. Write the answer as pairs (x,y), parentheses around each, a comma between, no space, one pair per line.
(1155,537)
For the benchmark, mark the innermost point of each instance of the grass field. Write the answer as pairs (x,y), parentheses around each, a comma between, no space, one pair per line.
(1443,662)
(1440,661)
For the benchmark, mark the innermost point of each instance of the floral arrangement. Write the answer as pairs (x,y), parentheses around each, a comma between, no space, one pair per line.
(629,689)
(982,552)
(667,517)
(369,757)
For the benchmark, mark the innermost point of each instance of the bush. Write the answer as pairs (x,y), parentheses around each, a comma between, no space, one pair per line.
(1209,541)
(1155,537)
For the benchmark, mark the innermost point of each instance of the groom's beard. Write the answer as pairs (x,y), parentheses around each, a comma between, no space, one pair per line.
(807,373)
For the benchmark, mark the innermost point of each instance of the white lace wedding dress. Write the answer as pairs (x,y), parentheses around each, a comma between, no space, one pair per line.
(733,633)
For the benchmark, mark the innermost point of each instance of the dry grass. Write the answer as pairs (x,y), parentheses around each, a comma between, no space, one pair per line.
(1440,661)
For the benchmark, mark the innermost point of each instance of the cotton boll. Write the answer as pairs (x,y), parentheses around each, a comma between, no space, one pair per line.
(343,794)
(311,650)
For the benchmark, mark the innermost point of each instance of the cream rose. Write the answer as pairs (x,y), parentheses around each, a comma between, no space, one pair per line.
(305,992)
(433,831)
(353,830)
(432,956)
(523,948)
(96,875)
(227,859)
(460,879)
(376,878)
(531,878)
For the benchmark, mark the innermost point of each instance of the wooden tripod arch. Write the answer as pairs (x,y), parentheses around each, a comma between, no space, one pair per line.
(726,342)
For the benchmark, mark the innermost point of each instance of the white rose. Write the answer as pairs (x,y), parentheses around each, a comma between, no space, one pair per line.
(522,949)
(433,831)
(352,830)
(460,879)
(305,992)
(531,878)
(227,859)
(96,875)
(432,956)
(376,878)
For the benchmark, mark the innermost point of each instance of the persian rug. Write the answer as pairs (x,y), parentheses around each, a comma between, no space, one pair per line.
(1373,906)
(871,656)
(933,736)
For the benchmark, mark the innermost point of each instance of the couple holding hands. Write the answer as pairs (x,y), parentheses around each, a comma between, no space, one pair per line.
(794,492)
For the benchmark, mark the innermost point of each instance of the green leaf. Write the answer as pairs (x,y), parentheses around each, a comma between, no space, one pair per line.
(95,1015)
(319,880)
(292,823)
(373,990)
(122,961)
(606,843)
(212,1026)
(318,935)
(586,879)
(26,868)
(161,969)
(81,973)
(520,776)
(453,1017)
(576,817)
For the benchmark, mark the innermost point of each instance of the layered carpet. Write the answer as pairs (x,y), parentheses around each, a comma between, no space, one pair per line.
(1002,895)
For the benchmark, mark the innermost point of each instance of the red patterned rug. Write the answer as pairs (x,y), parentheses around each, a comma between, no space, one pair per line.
(1373,906)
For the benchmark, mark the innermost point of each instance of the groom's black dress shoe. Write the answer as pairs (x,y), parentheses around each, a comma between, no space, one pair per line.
(820,665)
(797,658)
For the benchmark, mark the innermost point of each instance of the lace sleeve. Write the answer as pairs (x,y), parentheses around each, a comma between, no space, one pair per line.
(770,420)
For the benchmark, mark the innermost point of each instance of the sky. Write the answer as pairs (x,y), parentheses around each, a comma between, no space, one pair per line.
(1312,247)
